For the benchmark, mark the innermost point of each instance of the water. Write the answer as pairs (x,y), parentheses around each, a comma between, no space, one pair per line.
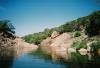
(9,59)
(27,61)
(12,59)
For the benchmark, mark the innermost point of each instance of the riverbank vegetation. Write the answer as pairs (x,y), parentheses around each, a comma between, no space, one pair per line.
(89,24)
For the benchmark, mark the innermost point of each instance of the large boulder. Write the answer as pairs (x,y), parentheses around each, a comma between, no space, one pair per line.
(57,46)
(60,45)
(45,45)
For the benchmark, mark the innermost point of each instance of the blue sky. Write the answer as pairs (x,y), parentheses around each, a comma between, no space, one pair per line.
(29,16)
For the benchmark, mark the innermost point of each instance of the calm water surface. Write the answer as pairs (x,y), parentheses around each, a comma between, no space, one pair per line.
(8,59)
(27,61)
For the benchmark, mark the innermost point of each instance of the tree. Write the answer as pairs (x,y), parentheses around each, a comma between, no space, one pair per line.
(93,28)
(7,28)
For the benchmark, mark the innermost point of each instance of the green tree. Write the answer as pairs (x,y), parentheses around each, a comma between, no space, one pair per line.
(7,28)
(93,27)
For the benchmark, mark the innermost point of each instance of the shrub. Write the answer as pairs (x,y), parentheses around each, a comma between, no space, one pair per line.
(36,38)
(79,45)
(95,46)
(77,34)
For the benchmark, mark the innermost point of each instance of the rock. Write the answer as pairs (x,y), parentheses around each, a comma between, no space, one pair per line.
(60,45)
(16,46)
(59,53)
(24,46)
(6,42)
(57,47)
(45,45)
(71,50)
(29,47)
(83,51)
(54,34)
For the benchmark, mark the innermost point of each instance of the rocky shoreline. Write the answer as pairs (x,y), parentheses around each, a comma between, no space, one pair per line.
(61,45)
(16,45)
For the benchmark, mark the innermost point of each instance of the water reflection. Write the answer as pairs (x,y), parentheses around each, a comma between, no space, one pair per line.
(6,57)
(76,60)
(90,60)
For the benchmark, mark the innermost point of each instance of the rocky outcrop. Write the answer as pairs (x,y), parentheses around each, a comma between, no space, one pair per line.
(45,45)
(60,45)
(24,46)
(16,44)
(57,46)
(6,42)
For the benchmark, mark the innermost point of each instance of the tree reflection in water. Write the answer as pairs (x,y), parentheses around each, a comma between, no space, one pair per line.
(6,57)
(76,60)
(84,61)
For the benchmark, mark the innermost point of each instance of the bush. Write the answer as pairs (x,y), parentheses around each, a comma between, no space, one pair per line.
(79,45)
(77,34)
(93,27)
(37,38)
(95,46)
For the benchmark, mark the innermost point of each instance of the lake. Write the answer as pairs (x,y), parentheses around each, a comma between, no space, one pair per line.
(9,59)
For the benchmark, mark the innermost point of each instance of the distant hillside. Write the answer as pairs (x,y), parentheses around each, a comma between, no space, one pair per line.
(89,24)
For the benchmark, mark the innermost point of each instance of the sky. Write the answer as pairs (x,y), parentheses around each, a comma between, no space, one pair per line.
(31,16)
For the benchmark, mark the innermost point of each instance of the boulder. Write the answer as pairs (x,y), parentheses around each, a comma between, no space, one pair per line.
(54,34)
(83,51)
(60,45)
(45,45)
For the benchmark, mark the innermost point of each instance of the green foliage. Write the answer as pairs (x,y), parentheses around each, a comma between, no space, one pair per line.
(95,46)
(76,57)
(37,37)
(77,34)
(93,27)
(90,23)
(79,45)
(6,28)
(67,27)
